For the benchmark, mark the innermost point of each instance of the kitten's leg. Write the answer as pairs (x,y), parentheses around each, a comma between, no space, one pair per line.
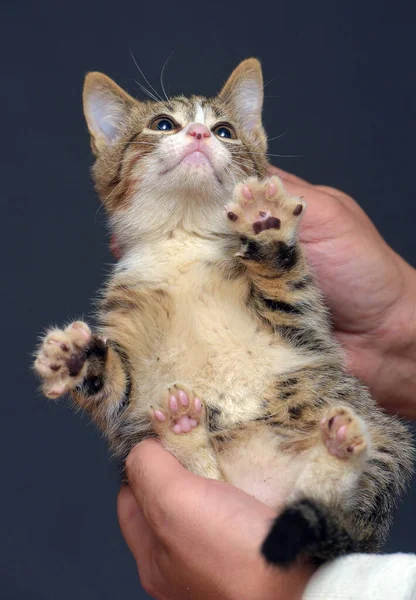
(283,291)
(180,422)
(95,373)
(351,480)
(314,522)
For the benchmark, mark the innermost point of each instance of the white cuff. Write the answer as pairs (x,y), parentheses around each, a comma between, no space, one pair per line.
(365,577)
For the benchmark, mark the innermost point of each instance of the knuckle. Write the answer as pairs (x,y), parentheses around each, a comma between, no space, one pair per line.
(147,584)
(335,194)
(157,513)
(133,465)
(151,579)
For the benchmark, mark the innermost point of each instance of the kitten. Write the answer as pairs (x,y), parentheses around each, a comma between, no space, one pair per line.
(213,335)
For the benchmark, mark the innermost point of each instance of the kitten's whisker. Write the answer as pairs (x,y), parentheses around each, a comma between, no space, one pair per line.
(147,92)
(107,198)
(97,211)
(153,94)
(161,76)
(139,143)
(144,76)
(228,170)
(277,137)
(244,166)
(242,163)
(286,155)
(278,155)
(269,82)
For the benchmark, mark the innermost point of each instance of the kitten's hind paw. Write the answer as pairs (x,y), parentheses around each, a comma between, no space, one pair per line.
(180,413)
(344,433)
(264,208)
(61,357)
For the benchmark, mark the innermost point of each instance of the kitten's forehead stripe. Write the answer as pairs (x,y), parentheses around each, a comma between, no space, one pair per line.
(199,116)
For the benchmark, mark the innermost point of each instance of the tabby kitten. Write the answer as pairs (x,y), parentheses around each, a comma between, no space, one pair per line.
(212,333)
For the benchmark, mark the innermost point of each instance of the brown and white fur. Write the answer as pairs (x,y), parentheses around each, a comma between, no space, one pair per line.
(212,333)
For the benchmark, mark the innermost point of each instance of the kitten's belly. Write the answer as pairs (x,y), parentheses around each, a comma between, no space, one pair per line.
(256,466)
(215,346)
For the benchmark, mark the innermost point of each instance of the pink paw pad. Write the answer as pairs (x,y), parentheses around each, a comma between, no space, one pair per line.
(184,424)
(159,415)
(183,412)
(272,189)
(247,193)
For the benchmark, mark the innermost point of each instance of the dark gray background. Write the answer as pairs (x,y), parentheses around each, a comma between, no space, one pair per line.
(342,86)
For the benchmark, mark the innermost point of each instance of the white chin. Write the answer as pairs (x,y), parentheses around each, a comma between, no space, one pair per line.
(197,167)
(198,160)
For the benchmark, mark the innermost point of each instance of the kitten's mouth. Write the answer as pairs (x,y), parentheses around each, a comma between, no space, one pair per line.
(195,155)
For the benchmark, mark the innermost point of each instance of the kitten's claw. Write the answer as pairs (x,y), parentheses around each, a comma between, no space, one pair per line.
(344,433)
(264,206)
(181,411)
(61,358)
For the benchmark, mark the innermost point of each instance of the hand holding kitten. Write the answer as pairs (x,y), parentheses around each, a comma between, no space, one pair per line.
(162,531)
(370,290)
(197,538)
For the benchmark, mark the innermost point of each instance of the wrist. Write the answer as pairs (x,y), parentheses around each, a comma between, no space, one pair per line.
(289,584)
(266,582)
(256,579)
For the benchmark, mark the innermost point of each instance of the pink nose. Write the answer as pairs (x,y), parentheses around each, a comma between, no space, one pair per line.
(199,131)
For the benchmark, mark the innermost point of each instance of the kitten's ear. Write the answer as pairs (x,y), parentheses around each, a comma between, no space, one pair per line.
(244,92)
(106,109)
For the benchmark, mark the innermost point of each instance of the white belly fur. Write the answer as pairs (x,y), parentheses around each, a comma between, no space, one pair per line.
(257,467)
(214,345)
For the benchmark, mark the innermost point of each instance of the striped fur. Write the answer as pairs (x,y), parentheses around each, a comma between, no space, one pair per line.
(225,306)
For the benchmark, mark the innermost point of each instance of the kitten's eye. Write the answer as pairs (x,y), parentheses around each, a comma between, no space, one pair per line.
(163,124)
(225,131)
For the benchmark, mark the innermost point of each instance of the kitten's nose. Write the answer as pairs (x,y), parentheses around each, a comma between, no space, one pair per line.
(199,131)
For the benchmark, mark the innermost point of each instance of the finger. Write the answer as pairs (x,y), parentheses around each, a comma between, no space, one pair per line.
(151,471)
(288,178)
(138,535)
(326,210)
(295,185)
(300,187)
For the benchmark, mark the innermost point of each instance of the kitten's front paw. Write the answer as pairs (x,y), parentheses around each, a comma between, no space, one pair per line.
(61,358)
(264,208)
(343,432)
(181,412)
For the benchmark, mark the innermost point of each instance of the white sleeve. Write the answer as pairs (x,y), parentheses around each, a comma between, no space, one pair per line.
(365,577)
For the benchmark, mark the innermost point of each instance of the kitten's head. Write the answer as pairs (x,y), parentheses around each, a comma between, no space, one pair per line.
(167,163)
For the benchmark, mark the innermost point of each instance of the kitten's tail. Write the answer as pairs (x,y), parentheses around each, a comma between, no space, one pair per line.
(307,528)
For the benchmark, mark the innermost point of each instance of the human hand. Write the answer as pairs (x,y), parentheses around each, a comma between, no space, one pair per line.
(198,538)
(370,290)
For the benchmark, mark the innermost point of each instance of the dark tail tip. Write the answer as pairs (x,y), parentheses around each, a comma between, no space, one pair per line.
(305,528)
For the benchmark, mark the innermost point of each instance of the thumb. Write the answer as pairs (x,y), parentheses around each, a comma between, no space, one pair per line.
(151,472)
(137,533)
(289,179)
